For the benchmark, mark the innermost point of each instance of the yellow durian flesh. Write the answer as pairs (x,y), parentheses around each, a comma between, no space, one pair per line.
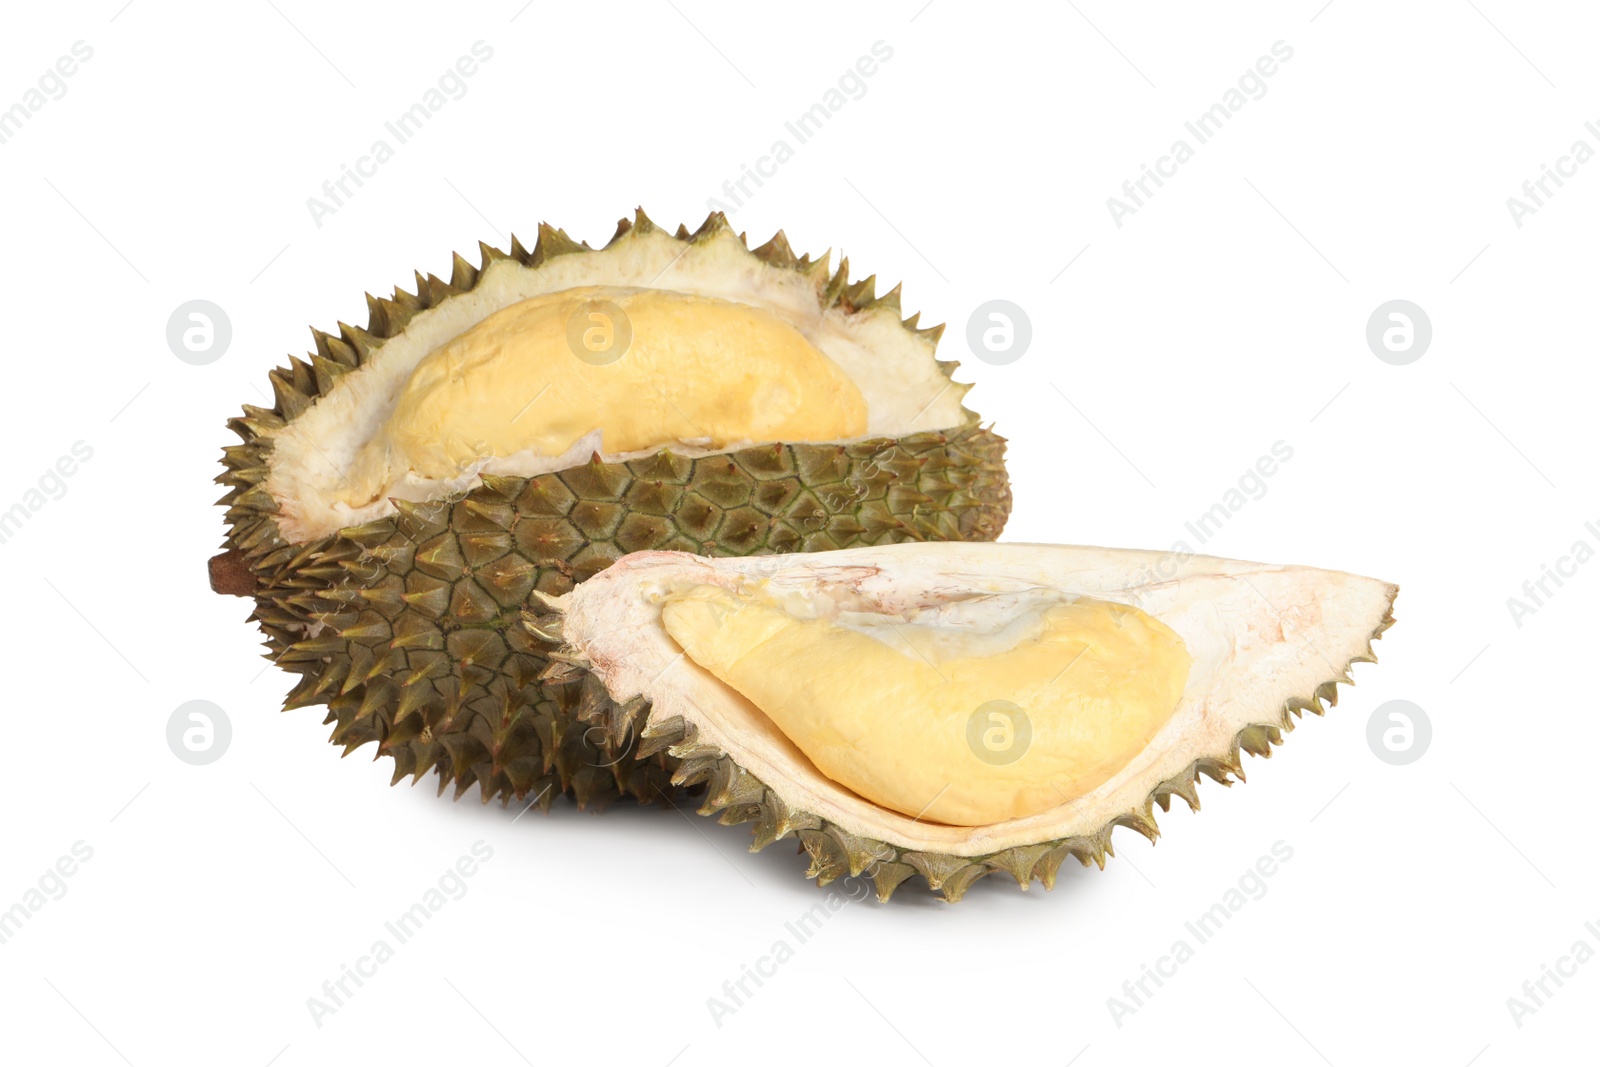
(545,372)
(949,724)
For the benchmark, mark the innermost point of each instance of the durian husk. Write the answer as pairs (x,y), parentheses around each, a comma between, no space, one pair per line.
(735,796)
(407,627)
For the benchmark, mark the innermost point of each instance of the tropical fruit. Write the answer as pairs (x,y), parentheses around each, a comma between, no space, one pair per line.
(950,710)
(518,427)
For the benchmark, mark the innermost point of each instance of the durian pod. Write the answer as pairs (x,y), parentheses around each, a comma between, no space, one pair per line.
(847,698)
(396,596)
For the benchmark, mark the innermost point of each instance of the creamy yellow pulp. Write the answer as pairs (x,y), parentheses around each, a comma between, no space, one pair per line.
(541,374)
(949,728)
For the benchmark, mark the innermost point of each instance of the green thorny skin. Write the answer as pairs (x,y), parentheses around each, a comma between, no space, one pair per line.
(409,628)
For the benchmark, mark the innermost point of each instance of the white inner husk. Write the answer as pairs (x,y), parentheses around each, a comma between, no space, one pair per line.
(905,390)
(1259,635)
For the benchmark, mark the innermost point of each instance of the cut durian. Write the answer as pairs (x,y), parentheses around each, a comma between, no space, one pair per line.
(728,350)
(844,696)
(417,481)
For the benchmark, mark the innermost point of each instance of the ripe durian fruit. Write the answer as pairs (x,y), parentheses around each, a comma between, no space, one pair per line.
(950,710)
(518,427)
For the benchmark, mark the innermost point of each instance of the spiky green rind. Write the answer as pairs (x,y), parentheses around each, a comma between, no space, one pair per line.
(734,795)
(408,628)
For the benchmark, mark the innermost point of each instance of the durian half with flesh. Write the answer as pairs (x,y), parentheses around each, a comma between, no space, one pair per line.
(955,709)
(518,426)
(655,343)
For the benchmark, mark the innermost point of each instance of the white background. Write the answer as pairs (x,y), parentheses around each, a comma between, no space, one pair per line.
(1226,315)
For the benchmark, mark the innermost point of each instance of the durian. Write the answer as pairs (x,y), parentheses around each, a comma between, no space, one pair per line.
(517,427)
(951,710)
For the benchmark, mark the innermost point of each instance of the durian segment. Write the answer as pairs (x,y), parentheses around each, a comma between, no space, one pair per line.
(946,720)
(906,390)
(663,368)
(1265,641)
